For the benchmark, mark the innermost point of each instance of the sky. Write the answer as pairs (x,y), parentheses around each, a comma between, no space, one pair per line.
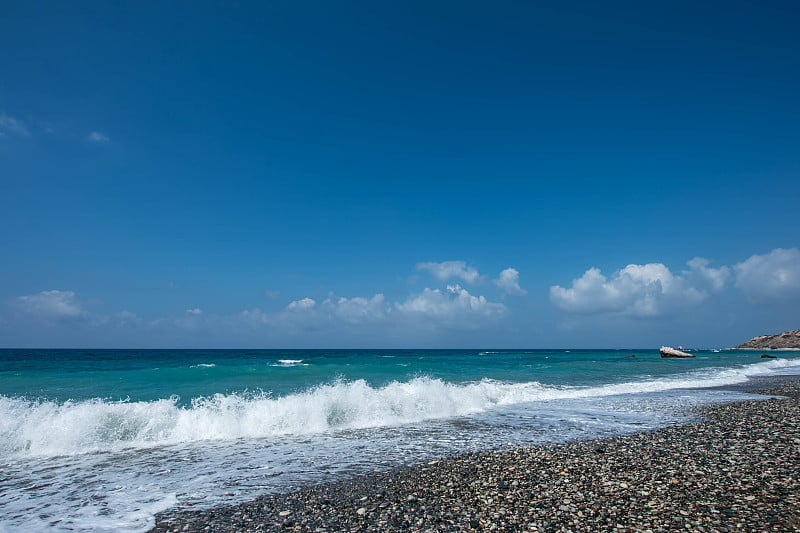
(303,174)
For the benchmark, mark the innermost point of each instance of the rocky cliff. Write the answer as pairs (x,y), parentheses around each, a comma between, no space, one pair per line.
(787,339)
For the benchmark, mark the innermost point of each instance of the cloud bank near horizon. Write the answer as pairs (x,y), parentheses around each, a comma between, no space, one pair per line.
(644,292)
(451,307)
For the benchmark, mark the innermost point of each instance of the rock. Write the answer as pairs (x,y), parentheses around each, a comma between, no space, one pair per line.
(768,356)
(667,351)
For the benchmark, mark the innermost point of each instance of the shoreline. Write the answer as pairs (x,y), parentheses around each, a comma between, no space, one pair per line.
(737,470)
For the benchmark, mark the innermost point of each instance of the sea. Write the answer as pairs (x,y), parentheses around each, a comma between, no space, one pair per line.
(102,440)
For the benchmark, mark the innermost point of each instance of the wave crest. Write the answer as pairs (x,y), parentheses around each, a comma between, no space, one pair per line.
(46,428)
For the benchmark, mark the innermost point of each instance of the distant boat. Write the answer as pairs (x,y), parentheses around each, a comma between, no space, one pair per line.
(667,351)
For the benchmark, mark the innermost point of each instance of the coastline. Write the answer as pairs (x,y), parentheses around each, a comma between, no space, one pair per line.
(765,350)
(734,471)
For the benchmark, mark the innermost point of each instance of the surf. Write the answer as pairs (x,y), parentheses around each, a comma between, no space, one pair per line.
(51,428)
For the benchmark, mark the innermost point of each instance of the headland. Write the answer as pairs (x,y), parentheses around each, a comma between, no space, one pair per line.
(788,340)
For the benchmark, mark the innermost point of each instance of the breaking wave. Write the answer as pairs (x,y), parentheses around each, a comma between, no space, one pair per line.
(289,362)
(47,428)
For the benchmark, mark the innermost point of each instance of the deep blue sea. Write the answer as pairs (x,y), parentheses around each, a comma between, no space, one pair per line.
(103,439)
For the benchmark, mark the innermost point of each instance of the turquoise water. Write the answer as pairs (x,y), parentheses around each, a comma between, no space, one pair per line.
(146,375)
(102,439)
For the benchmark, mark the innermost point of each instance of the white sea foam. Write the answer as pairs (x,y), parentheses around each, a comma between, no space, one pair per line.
(47,428)
(203,365)
(290,362)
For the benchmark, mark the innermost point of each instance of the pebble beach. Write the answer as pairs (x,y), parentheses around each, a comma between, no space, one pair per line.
(736,470)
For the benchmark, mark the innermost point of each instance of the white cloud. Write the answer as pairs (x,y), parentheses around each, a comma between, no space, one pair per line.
(450,305)
(271,293)
(451,269)
(308,314)
(301,305)
(636,290)
(51,304)
(98,137)
(336,309)
(509,282)
(714,278)
(453,307)
(195,311)
(12,126)
(774,276)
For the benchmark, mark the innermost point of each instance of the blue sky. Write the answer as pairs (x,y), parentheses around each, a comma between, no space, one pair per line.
(398,174)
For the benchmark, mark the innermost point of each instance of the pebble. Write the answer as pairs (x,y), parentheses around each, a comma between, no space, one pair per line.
(736,471)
